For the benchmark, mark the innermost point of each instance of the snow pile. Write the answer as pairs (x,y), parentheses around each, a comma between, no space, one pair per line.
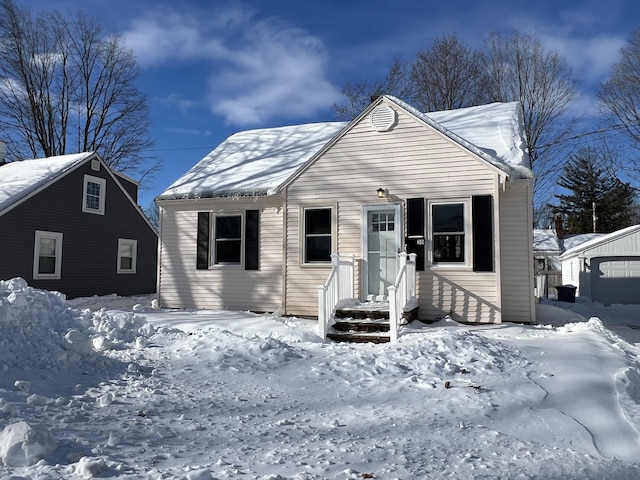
(22,445)
(38,330)
(46,345)
(197,395)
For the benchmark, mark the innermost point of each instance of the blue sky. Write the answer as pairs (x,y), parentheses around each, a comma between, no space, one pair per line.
(211,68)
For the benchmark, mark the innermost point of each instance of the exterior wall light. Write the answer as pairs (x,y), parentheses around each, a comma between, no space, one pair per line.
(382,193)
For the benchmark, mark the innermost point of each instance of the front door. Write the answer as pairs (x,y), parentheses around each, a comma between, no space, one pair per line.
(381,245)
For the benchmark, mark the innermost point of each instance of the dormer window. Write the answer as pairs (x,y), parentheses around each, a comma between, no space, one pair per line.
(94,194)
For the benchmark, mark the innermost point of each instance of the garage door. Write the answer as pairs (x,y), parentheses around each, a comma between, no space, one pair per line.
(615,280)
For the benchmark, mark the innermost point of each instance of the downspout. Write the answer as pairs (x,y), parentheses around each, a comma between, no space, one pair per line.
(159,255)
(532,299)
(285,210)
(498,183)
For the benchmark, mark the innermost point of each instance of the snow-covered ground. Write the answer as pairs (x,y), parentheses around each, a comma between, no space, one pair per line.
(107,387)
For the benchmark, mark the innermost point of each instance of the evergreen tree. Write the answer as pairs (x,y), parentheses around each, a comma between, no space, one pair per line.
(591,187)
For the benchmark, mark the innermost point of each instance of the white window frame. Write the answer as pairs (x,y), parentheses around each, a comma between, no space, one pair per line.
(103,190)
(57,236)
(303,233)
(468,261)
(212,254)
(134,258)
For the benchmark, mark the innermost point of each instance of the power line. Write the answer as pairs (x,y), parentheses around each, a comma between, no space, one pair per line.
(178,149)
(585,134)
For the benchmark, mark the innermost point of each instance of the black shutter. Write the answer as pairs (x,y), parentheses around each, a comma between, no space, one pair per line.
(251,240)
(202,257)
(482,219)
(415,230)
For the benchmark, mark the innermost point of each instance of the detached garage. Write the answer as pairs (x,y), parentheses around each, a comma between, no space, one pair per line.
(606,269)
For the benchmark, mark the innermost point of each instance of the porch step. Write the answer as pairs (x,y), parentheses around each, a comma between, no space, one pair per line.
(359,337)
(367,325)
(364,322)
(364,311)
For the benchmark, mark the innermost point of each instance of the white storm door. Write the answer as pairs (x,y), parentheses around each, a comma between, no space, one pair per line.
(382,243)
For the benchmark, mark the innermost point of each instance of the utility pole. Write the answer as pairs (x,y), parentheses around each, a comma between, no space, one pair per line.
(594,218)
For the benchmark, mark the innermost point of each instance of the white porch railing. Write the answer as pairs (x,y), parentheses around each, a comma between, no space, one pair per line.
(401,292)
(338,286)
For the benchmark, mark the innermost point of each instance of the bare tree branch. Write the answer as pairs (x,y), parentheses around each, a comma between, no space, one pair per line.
(449,75)
(521,70)
(68,87)
(358,95)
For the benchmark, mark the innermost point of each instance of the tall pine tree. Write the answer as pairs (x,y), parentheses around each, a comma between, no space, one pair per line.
(590,186)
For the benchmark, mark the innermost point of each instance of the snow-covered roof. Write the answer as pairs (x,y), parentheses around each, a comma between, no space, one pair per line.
(545,240)
(600,240)
(19,179)
(258,162)
(494,132)
(573,241)
(253,162)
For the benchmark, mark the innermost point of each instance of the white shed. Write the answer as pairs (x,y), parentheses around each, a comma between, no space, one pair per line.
(606,269)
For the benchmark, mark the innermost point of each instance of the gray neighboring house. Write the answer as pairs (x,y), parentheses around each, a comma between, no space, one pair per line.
(607,268)
(71,224)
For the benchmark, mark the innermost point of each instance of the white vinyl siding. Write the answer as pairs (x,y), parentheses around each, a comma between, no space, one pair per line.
(516,267)
(409,161)
(181,285)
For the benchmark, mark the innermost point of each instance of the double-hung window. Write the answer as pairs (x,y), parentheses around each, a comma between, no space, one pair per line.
(93,197)
(227,245)
(127,255)
(448,232)
(317,234)
(228,239)
(47,255)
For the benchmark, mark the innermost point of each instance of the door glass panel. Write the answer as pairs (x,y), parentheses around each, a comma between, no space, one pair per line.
(382,251)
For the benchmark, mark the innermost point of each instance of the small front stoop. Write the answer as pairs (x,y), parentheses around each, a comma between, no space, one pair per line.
(366,322)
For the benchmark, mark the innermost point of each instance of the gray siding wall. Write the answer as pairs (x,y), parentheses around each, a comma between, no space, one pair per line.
(181,285)
(90,242)
(410,161)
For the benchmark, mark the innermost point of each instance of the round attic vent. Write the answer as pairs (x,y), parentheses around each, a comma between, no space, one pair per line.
(382,118)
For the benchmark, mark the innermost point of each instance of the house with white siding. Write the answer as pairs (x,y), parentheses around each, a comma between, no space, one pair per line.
(436,206)
(606,268)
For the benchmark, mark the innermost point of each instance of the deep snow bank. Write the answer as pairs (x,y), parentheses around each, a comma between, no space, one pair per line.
(38,330)
(47,347)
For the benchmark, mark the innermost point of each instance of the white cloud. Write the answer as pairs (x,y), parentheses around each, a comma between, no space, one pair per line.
(591,58)
(189,131)
(257,69)
(176,101)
